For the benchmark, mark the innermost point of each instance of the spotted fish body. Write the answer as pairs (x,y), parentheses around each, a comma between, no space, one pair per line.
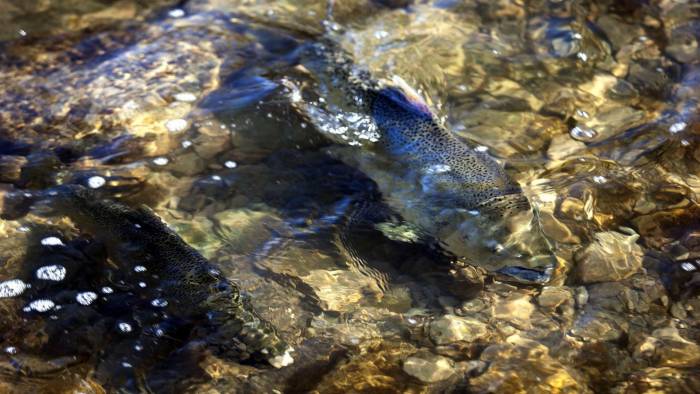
(189,286)
(456,193)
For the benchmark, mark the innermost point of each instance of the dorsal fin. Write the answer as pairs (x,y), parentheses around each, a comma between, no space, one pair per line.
(402,94)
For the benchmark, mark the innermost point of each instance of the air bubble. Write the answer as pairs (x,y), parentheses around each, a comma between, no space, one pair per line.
(140,268)
(159,302)
(677,127)
(176,125)
(86,298)
(176,13)
(42,305)
(52,241)
(12,288)
(96,182)
(230,164)
(583,133)
(54,272)
(160,161)
(185,97)
(124,327)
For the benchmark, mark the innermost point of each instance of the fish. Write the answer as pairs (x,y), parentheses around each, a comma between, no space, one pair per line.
(443,185)
(189,287)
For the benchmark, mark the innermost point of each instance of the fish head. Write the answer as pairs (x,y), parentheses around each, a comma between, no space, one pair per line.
(498,235)
(238,333)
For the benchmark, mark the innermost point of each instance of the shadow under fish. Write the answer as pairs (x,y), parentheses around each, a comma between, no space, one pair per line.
(128,294)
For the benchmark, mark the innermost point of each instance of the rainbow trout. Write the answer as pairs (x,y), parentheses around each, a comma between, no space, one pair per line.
(440,184)
(189,287)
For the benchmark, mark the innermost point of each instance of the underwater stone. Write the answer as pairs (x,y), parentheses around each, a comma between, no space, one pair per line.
(611,257)
(523,365)
(429,369)
(450,329)
(245,230)
(552,297)
(515,309)
(672,350)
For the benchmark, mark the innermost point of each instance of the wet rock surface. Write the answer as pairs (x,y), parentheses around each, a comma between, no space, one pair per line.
(592,106)
(429,369)
(612,257)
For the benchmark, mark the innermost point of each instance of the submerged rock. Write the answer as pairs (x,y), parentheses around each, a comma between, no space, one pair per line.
(667,348)
(429,369)
(449,329)
(522,365)
(515,308)
(612,256)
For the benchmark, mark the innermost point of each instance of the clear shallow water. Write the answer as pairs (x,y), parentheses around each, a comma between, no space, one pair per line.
(593,107)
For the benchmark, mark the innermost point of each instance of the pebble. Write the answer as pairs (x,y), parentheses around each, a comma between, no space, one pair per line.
(552,297)
(429,369)
(611,257)
(450,329)
(515,309)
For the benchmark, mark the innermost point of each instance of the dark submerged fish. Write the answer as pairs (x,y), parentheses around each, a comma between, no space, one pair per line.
(188,287)
(437,182)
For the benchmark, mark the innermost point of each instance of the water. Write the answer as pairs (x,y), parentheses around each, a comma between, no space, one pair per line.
(190,108)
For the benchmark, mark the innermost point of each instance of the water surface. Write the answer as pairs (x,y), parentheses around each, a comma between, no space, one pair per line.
(592,107)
